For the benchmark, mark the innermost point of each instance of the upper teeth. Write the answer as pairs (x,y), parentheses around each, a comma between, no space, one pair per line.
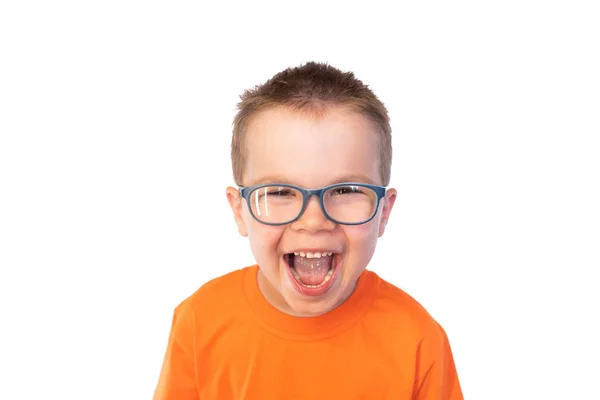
(312,255)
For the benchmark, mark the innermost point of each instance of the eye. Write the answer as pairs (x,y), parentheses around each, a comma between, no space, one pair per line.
(341,190)
(277,192)
(280,193)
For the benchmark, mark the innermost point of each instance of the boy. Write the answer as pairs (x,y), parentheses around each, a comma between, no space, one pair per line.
(311,155)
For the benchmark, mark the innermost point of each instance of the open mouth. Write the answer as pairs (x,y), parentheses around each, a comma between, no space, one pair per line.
(312,272)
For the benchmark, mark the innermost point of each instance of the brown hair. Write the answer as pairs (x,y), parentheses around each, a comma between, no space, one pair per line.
(312,88)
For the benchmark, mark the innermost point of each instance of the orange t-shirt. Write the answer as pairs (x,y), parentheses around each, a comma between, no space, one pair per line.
(228,342)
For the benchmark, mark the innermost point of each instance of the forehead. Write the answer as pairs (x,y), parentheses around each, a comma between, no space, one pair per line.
(295,147)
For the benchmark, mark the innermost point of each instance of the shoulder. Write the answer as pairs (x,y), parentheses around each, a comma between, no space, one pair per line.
(215,296)
(398,312)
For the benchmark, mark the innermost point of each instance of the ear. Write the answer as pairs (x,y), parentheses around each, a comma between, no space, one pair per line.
(388,204)
(235,202)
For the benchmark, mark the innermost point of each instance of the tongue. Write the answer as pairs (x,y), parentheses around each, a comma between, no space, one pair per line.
(312,271)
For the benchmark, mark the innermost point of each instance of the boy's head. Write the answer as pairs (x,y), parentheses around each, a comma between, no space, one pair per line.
(311,127)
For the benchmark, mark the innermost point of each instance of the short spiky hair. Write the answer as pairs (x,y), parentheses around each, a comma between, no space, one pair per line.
(311,88)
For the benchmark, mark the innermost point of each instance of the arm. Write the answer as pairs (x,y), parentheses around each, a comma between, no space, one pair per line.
(440,380)
(177,376)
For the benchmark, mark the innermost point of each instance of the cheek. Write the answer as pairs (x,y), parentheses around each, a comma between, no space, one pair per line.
(362,238)
(263,240)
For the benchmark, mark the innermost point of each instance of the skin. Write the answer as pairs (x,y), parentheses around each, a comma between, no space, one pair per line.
(286,146)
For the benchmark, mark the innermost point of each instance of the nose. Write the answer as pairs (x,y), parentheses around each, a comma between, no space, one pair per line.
(313,219)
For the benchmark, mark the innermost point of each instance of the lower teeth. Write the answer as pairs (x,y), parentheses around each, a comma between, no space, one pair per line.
(327,278)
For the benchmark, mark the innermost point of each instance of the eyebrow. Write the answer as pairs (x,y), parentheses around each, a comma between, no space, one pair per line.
(346,178)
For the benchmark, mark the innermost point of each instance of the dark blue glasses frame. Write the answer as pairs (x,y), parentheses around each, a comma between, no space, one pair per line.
(245,192)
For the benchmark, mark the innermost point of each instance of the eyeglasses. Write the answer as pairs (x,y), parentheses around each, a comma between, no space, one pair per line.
(342,203)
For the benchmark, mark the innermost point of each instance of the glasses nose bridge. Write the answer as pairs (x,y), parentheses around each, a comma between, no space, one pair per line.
(318,193)
(308,194)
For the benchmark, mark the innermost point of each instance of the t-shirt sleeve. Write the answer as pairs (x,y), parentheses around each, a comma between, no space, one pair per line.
(177,375)
(440,379)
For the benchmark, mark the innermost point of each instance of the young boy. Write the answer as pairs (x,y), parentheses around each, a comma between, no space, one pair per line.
(311,155)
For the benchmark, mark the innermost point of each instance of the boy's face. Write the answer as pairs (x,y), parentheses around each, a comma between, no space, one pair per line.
(284,146)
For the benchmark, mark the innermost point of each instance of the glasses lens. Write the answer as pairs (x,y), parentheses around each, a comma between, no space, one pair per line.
(275,204)
(350,204)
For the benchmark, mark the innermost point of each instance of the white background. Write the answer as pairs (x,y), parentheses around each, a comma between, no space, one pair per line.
(115,125)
